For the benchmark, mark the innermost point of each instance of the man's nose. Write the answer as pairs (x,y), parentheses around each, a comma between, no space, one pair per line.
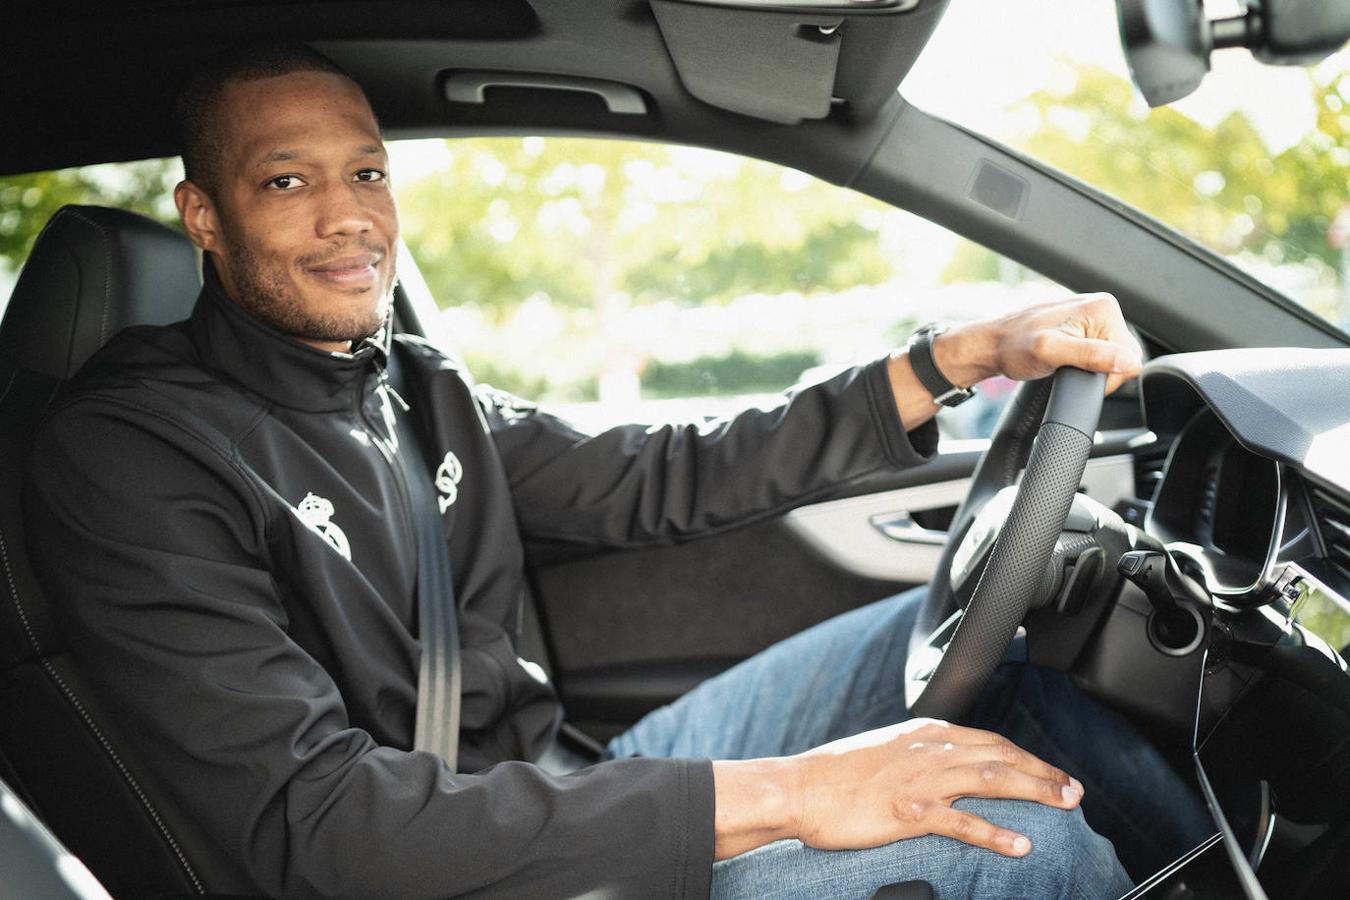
(342,211)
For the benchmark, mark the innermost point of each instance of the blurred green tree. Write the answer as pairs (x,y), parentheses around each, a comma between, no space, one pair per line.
(1220,185)
(593,223)
(28,201)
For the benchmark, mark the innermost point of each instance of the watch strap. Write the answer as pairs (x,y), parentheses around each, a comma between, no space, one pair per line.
(925,369)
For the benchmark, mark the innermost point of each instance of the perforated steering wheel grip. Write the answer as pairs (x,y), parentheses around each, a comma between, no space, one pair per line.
(1020,553)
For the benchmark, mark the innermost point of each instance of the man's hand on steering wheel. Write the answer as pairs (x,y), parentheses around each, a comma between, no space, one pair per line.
(1048,430)
(1086,331)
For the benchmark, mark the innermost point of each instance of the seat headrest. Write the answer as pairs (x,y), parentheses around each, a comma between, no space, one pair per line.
(93,272)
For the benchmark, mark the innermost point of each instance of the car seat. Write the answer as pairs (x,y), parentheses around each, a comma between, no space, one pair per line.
(92,272)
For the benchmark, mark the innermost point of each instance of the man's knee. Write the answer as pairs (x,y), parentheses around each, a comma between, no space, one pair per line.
(1067,859)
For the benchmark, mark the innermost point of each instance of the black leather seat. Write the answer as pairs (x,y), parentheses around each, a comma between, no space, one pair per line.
(92,272)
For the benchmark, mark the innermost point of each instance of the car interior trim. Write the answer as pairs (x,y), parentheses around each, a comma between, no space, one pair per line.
(860,533)
(1241,867)
(1083,239)
(1162,875)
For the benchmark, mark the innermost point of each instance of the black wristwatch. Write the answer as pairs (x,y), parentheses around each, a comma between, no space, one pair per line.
(921,359)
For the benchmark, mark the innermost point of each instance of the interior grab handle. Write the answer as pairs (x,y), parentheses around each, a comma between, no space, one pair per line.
(471,87)
(901,527)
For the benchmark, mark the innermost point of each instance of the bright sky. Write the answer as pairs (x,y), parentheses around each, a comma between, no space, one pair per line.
(978,64)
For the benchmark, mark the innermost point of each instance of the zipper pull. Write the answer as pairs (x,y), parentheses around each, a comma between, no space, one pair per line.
(395,394)
(389,391)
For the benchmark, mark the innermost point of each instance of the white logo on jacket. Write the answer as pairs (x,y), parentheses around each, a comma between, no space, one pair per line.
(448,476)
(316,512)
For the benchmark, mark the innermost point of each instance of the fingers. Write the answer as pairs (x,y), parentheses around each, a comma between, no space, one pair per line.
(901,781)
(971,829)
(977,743)
(998,779)
(1054,349)
(980,763)
(1086,331)
(1006,754)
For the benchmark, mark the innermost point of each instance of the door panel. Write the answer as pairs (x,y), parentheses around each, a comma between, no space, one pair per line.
(632,630)
(881,536)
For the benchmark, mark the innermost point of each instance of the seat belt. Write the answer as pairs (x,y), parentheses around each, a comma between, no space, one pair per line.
(438,676)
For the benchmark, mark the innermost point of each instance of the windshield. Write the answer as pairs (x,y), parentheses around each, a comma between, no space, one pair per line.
(1254,165)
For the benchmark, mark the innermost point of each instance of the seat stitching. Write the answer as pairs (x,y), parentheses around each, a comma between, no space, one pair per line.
(89,722)
(107,270)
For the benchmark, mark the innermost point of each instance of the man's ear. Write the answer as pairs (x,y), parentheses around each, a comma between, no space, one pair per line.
(198,212)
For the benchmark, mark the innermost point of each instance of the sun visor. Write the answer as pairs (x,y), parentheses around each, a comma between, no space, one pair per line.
(790,61)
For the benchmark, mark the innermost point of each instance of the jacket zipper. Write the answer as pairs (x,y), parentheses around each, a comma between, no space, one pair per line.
(387,450)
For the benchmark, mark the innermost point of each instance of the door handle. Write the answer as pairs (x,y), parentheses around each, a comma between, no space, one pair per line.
(471,87)
(901,527)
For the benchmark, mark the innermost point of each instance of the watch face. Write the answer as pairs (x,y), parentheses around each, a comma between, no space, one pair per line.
(931,330)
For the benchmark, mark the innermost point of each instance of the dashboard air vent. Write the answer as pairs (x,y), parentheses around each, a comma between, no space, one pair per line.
(1333,522)
(1149,461)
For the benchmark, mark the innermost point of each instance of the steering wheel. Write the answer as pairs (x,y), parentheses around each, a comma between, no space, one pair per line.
(1048,427)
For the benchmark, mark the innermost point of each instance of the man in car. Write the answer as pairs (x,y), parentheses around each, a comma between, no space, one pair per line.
(228,500)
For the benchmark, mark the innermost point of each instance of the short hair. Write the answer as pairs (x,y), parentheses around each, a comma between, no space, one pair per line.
(199,101)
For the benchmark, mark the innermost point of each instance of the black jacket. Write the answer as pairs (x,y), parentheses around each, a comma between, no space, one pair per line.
(223,506)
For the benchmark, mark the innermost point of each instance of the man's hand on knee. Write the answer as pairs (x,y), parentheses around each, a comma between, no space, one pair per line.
(883,786)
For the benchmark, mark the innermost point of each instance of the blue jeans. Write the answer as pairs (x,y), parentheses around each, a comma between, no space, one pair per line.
(845,676)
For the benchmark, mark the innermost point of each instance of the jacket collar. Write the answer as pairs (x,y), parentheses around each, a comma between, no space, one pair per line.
(277,367)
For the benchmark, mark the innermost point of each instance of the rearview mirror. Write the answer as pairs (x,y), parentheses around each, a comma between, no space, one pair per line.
(1168,42)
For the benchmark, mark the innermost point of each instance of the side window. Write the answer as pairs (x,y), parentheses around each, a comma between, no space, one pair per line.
(619,281)
(27,201)
(616,281)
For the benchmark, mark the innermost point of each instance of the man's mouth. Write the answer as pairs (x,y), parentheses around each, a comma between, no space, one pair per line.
(355,270)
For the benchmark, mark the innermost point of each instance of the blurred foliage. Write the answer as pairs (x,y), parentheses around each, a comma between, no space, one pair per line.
(900,330)
(487,369)
(1326,618)
(584,222)
(735,373)
(28,201)
(1219,185)
(834,257)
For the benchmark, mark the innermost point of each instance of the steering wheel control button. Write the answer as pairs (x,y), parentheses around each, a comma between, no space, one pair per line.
(1080,580)
(1130,563)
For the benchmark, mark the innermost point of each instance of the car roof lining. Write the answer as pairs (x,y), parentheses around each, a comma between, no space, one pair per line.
(90,83)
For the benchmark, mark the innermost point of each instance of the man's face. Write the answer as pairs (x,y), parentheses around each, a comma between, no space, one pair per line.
(306,223)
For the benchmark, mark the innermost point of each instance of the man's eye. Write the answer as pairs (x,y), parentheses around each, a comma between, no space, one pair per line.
(370,175)
(284,182)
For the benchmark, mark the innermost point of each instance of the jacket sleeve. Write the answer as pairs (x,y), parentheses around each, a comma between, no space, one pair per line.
(637,484)
(155,551)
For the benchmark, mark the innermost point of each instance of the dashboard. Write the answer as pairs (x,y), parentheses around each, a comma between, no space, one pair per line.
(1255,491)
(1254,503)
(1221,504)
